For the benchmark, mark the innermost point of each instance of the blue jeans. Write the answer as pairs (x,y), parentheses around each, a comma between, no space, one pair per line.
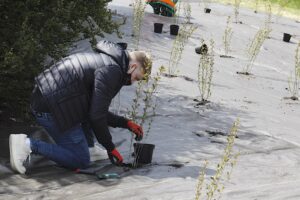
(89,134)
(71,148)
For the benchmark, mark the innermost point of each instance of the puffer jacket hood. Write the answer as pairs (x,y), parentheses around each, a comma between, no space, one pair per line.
(115,51)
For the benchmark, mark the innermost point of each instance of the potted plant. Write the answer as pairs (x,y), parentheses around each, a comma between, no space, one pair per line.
(203,49)
(174,28)
(286,37)
(206,6)
(158,27)
(143,153)
(207,10)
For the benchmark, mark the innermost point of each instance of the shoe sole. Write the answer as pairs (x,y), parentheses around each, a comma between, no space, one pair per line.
(12,152)
(12,163)
(96,158)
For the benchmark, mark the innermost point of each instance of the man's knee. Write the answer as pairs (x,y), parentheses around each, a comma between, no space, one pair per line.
(80,162)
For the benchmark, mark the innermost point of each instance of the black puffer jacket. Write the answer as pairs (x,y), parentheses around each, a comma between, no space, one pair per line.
(81,86)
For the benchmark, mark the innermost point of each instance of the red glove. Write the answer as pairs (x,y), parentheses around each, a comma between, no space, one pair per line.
(136,129)
(115,157)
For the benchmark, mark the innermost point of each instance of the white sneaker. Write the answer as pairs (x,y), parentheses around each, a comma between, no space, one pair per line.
(97,153)
(19,151)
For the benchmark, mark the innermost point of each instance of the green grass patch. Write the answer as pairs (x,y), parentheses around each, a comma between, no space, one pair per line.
(286,8)
(295,4)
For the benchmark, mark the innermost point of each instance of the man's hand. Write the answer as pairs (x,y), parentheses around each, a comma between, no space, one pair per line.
(136,129)
(115,157)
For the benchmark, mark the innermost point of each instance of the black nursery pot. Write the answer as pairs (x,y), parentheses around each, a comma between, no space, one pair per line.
(203,49)
(158,27)
(287,37)
(174,29)
(143,153)
(207,10)
(123,45)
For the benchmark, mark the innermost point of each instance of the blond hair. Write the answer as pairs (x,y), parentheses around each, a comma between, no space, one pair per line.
(143,58)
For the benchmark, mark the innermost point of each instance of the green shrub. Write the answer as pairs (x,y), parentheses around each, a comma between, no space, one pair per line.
(33,31)
(293,80)
(185,32)
(237,4)
(227,37)
(205,72)
(224,169)
(143,108)
(254,48)
(138,15)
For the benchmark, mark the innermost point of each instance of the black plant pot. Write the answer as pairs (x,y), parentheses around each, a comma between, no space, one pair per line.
(202,50)
(143,153)
(174,29)
(286,37)
(158,27)
(207,10)
(123,45)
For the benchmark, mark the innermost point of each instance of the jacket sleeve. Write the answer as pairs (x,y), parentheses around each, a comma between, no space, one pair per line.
(107,80)
(116,120)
